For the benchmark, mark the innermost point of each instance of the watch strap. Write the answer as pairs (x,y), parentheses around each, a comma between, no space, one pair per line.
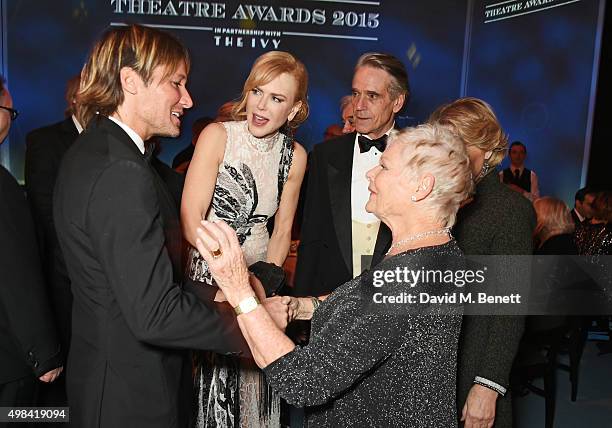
(247,305)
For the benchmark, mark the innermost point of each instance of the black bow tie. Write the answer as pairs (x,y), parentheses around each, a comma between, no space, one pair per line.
(365,144)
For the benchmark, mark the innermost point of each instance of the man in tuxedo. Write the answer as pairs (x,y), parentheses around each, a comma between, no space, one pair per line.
(339,238)
(119,231)
(45,148)
(583,210)
(29,349)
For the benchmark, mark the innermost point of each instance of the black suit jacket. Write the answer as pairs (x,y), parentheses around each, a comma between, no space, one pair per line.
(119,231)
(28,343)
(325,252)
(44,152)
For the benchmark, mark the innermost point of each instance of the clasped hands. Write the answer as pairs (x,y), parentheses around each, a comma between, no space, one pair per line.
(51,375)
(218,244)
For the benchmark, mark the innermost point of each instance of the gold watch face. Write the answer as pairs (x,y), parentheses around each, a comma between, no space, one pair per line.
(247,305)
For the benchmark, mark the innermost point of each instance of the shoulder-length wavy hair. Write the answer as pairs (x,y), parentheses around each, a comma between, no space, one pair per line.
(268,67)
(474,121)
(143,49)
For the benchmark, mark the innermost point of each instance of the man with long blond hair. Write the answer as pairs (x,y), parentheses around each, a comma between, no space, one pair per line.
(119,231)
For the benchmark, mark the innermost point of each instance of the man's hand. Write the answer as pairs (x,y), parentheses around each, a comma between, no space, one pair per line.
(479,408)
(294,308)
(278,309)
(50,376)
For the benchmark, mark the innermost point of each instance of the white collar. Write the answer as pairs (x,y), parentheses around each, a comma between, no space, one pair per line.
(579,216)
(77,124)
(386,133)
(132,134)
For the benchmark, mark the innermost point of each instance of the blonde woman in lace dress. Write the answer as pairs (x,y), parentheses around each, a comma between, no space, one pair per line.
(244,172)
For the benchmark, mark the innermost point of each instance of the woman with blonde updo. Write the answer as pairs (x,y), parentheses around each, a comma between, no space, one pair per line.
(244,172)
(497,221)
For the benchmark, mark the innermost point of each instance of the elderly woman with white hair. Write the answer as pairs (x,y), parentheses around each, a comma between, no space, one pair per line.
(369,365)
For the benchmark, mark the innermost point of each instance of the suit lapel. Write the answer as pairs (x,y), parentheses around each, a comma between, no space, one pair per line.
(68,133)
(127,149)
(383,241)
(126,145)
(69,127)
(339,171)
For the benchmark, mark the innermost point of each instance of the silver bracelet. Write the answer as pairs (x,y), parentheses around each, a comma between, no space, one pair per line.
(315,303)
(491,385)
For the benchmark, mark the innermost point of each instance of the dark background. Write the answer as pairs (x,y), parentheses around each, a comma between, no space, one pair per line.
(535,70)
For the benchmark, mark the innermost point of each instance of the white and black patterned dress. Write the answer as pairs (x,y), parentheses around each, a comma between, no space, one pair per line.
(232,392)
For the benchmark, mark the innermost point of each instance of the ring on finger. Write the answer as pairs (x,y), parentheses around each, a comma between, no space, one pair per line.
(216,253)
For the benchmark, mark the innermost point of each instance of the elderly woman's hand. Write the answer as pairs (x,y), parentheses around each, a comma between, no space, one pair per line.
(218,245)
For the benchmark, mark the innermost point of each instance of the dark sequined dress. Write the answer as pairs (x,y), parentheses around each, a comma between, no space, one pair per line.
(378,368)
(594,241)
(232,392)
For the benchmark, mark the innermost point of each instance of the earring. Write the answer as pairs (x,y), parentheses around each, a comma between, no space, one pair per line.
(413,198)
(483,171)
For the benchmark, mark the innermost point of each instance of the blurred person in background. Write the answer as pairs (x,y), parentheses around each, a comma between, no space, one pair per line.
(181,161)
(29,349)
(517,177)
(348,116)
(583,200)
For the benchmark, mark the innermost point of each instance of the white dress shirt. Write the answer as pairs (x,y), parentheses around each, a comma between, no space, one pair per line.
(77,124)
(362,163)
(535,191)
(364,225)
(133,135)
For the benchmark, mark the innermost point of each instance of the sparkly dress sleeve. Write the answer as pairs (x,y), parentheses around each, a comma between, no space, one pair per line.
(372,364)
(347,348)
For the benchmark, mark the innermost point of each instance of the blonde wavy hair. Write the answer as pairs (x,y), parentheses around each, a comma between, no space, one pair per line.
(267,68)
(553,218)
(433,149)
(142,49)
(474,121)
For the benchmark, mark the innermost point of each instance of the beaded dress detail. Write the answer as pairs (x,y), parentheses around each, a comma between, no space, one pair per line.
(232,392)
(246,194)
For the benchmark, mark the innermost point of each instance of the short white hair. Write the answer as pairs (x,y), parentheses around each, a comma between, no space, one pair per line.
(433,149)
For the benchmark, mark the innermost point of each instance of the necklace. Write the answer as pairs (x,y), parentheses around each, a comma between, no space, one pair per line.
(421,235)
(263,144)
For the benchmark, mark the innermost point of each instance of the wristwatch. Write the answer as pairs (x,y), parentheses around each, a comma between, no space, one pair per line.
(247,305)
